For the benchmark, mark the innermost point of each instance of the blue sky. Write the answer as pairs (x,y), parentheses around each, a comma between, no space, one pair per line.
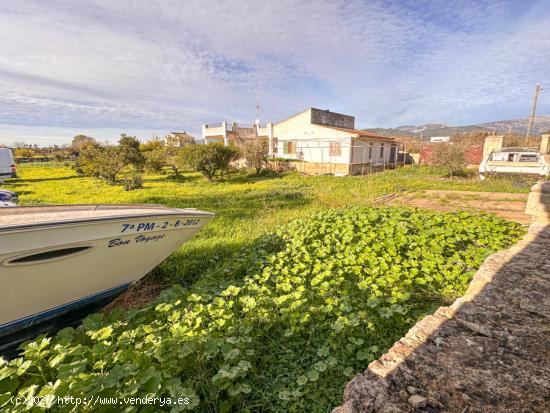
(146,68)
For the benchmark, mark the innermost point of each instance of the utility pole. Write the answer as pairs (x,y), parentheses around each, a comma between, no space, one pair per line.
(533,110)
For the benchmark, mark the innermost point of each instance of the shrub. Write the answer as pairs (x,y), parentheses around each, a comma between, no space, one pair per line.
(208,159)
(132,179)
(450,158)
(255,154)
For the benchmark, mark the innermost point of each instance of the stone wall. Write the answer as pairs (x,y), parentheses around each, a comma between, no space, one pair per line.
(487,352)
(492,143)
(472,153)
(538,203)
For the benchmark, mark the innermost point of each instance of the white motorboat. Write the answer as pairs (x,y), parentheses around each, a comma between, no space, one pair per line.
(514,161)
(56,259)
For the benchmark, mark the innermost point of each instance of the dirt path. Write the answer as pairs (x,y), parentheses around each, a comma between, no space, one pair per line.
(505,205)
(488,352)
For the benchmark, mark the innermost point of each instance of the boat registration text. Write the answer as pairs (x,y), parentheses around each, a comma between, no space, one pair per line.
(151,226)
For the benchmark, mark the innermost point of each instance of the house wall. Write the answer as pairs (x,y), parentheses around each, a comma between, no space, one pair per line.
(268,131)
(360,151)
(325,117)
(545,144)
(215,134)
(311,140)
(492,143)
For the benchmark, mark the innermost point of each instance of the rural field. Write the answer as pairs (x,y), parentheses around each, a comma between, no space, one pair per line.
(296,286)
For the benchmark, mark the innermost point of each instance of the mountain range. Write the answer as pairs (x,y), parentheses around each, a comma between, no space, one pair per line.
(518,126)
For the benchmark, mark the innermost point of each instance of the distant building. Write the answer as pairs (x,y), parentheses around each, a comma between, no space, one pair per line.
(440,139)
(183,137)
(317,137)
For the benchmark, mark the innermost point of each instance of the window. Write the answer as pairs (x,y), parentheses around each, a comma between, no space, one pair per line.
(370,151)
(334,149)
(382,150)
(289,148)
(528,158)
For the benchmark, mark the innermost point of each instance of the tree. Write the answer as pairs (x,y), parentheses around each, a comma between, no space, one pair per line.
(255,154)
(154,153)
(173,148)
(20,144)
(179,139)
(450,158)
(151,145)
(85,163)
(110,163)
(155,159)
(208,159)
(23,153)
(128,146)
(104,162)
(80,141)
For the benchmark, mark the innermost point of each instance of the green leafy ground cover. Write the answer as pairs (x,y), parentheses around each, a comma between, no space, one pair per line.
(280,325)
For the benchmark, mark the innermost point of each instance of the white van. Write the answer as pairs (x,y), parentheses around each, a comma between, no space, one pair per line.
(7,164)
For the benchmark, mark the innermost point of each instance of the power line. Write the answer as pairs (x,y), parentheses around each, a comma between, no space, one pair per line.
(538,89)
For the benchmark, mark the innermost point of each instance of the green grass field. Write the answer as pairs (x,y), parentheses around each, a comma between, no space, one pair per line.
(246,206)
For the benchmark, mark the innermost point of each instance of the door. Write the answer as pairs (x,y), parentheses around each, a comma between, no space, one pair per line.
(393,154)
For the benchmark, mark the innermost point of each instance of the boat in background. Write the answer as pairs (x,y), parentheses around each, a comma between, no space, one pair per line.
(66,260)
(514,161)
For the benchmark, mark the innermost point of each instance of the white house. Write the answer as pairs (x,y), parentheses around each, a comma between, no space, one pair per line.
(318,138)
(440,139)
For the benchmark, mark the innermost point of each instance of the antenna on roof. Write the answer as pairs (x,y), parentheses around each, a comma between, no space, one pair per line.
(257,121)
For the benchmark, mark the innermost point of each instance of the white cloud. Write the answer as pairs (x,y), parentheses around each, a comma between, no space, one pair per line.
(97,65)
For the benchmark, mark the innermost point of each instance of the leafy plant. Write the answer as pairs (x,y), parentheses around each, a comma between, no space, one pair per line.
(132,178)
(293,317)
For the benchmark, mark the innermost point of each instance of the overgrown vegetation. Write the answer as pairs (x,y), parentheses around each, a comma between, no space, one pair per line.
(121,164)
(280,326)
(450,158)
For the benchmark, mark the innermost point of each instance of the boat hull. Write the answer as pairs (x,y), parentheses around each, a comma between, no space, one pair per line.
(51,268)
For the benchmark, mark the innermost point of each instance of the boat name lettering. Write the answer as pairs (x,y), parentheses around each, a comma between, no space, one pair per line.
(143,238)
(118,242)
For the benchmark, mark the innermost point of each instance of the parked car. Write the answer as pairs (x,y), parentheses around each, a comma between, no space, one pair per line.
(514,161)
(7,195)
(7,198)
(7,164)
